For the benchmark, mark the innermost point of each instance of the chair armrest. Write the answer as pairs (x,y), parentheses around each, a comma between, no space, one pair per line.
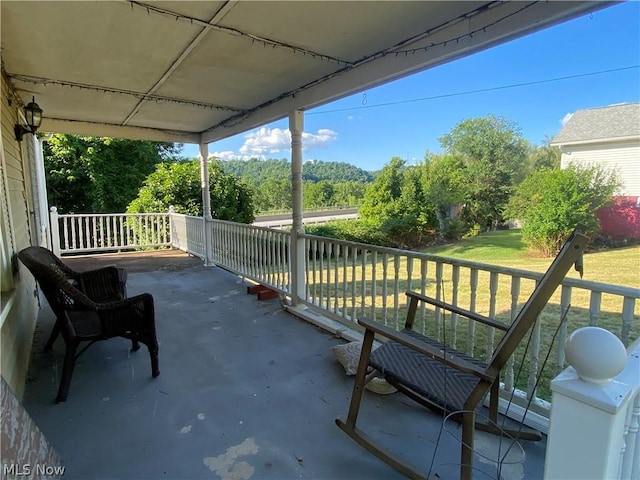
(460,311)
(144,299)
(123,315)
(442,355)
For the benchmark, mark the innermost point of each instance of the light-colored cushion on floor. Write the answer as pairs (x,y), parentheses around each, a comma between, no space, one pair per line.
(348,354)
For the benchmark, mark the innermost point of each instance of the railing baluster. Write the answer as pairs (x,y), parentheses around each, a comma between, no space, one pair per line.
(86,240)
(565,303)
(354,260)
(345,255)
(437,316)
(336,256)
(533,361)
(409,273)
(385,262)
(396,288)
(423,291)
(594,308)
(455,280)
(473,295)
(321,273)
(493,294)
(363,283)
(628,305)
(513,313)
(374,263)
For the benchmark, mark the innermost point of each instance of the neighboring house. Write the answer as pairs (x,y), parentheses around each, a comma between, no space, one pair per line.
(608,136)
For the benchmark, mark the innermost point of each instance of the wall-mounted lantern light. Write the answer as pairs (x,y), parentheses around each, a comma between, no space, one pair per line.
(33,115)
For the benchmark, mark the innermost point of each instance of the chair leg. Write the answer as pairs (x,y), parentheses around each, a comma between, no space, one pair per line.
(52,337)
(155,364)
(67,371)
(358,386)
(466,457)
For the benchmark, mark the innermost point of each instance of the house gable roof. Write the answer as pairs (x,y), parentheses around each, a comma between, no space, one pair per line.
(614,122)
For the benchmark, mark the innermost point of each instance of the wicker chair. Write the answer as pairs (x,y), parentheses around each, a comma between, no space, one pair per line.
(105,284)
(81,318)
(444,379)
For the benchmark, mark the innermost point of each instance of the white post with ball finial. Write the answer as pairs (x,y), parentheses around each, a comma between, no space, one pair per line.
(589,407)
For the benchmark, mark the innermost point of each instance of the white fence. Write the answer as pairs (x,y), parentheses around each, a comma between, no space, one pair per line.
(346,280)
(84,233)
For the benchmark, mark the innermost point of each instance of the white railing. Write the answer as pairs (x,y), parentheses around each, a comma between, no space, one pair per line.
(82,233)
(346,280)
(187,233)
(258,253)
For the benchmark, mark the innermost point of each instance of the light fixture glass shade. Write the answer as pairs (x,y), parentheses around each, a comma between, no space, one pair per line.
(33,114)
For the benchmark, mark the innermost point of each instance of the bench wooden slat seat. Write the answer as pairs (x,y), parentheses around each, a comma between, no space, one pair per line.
(405,368)
(444,379)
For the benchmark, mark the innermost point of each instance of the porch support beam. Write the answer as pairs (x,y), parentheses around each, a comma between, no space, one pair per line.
(297,274)
(206,201)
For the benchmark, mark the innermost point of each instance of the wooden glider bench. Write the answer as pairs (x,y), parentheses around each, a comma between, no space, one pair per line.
(447,380)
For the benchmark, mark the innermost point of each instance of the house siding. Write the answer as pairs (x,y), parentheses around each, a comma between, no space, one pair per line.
(621,156)
(19,317)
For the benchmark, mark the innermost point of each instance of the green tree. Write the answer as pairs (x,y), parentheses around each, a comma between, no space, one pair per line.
(551,203)
(445,191)
(395,204)
(98,174)
(317,194)
(178,184)
(492,151)
(273,194)
(348,194)
(538,158)
(381,197)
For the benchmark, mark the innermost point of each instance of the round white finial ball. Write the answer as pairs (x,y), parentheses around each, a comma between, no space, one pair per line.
(596,354)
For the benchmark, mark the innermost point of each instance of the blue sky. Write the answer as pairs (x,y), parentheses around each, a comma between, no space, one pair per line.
(369,135)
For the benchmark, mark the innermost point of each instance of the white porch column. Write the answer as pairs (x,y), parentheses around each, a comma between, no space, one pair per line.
(297,274)
(206,201)
(590,408)
(41,205)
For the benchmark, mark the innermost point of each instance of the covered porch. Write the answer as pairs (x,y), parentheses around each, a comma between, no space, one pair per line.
(246,390)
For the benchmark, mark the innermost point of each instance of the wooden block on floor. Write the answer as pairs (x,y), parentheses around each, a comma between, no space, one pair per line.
(253,289)
(267,294)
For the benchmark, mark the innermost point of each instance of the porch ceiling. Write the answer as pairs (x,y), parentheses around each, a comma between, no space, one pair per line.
(202,71)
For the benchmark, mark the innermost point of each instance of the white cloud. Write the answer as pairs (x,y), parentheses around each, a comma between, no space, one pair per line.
(321,139)
(226,155)
(267,141)
(566,118)
(264,141)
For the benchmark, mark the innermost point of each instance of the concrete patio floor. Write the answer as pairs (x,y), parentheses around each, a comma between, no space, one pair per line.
(246,390)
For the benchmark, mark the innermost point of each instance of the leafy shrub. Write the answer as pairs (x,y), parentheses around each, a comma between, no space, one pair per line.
(552,203)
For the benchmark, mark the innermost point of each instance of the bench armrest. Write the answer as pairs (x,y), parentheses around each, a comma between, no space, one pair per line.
(460,311)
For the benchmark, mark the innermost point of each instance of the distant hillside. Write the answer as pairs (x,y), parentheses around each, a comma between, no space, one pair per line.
(256,172)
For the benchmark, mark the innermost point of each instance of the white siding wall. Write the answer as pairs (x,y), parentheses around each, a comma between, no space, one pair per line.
(622,156)
(19,305)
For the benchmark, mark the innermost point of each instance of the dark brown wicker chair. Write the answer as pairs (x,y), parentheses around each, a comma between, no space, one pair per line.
(82,318)
(443,378)
(105,284)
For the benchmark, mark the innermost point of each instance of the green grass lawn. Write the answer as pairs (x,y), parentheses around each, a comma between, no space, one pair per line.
(618,266)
